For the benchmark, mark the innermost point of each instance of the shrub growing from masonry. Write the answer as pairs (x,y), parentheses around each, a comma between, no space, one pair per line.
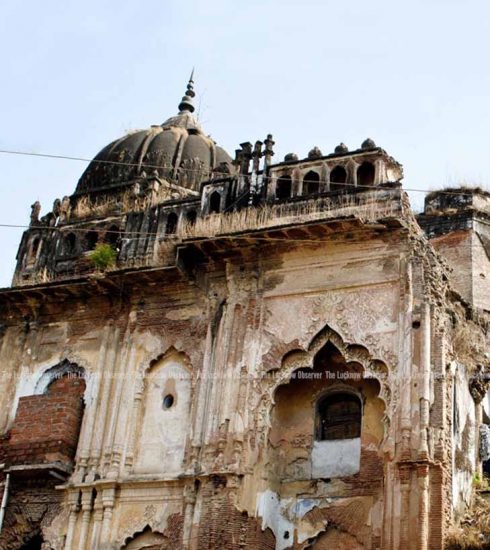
(103,256)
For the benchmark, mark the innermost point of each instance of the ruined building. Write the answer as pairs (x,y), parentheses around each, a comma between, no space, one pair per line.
(202,351)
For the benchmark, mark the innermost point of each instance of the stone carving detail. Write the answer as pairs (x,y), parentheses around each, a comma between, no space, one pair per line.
(31,511)
(356,316)
(149,513)
(301,359)
(366,317)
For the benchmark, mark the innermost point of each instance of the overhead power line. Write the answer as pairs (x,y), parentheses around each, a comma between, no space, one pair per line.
(190,170)
(133,235)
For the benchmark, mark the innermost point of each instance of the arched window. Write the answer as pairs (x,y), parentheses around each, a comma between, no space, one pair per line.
(311,183)
(91,239)
(214,202)
(65,368)
(171,226)
(338,176)
(191,217)
(283,187)
(339,417)
(34,248)
(70,244)
(164,408)
(365,174)
(113,236)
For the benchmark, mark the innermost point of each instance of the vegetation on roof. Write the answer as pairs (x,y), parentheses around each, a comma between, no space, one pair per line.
(463,188)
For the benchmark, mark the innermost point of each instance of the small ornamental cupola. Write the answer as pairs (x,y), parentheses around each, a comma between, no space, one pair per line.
(187,103)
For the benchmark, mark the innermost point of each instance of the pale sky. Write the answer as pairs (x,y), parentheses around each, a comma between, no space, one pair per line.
(414,76)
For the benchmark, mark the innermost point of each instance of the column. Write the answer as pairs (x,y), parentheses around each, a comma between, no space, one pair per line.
(133,423)
(404,474)
(107,377)
(189,501)
(73,502)
(425,381)
(123,412)
(89,417)
(86,511)
(108,499)
(423,526)
(98,513)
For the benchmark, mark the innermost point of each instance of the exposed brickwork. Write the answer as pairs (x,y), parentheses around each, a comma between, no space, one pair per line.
(171,539)
(369,480)
(457,249)
(350,518)
(240,315)
(333,538)
(46,427)
(33,505)
(437,508)
(224,526)
(175,530)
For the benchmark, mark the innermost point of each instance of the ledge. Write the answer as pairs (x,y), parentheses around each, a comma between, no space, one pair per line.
(57,470)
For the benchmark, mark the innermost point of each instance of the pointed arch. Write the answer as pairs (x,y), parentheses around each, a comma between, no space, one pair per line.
(325,411)
(284,187)
(69,244)
(366,174)
(302,359)
(215,202)
(172,222)
(338,178)
(164,399)
(170,352)
(63,368)
(113,236)
(146,539)
(311,183)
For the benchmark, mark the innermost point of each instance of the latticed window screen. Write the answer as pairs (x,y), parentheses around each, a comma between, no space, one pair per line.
(339,417)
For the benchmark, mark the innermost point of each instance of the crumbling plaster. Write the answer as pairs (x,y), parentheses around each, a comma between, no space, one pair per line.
(256,326)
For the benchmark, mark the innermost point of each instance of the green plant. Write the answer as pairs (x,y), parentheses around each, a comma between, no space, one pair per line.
(103,256)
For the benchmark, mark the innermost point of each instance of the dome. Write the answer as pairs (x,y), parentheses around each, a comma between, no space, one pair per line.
(368,144)
(177,150)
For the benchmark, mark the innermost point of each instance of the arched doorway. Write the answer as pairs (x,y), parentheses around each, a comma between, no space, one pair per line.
(311,183)
(332,408)
(215,202)
(283,187)
(338,178)
(327,426)
(365,175)
(172,221)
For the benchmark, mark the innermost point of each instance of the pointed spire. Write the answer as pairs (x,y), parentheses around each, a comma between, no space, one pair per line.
(187,101)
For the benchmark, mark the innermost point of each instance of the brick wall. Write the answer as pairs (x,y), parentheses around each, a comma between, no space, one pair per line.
(456,247)
(223,526)
(481,266)
(46,427)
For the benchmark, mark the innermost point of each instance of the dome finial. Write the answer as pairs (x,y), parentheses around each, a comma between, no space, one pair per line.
(187,104)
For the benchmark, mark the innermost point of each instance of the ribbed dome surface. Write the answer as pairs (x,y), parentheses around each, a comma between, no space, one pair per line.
(178,151)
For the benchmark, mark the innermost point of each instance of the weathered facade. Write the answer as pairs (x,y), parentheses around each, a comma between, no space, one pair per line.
(280,356)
